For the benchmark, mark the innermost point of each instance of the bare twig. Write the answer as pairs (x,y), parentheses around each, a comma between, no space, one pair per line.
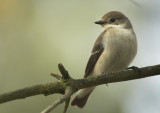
(67,95)
(135,3)
(68,91)
(64,72)
(56,76)
(66,105)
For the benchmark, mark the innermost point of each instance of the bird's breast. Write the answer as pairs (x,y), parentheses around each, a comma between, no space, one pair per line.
(120,47)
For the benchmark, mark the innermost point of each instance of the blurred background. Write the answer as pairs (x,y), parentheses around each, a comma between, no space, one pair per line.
(36,35)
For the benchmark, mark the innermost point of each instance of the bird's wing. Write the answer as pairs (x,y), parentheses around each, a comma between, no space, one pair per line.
(95,54)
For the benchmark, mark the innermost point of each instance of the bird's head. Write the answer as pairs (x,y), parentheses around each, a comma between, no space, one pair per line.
(114,19)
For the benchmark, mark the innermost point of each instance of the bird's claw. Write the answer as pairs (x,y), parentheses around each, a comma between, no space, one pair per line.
(136,69)
(109,74)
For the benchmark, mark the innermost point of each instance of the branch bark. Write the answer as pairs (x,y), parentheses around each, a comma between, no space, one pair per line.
(117,77)
(67,95)
(45,89)
(76,84)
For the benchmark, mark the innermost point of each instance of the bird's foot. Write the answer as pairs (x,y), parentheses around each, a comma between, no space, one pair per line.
(136,69)
(103,73)
(108,74)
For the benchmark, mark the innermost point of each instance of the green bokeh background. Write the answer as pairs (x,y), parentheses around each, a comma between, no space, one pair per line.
(36,35)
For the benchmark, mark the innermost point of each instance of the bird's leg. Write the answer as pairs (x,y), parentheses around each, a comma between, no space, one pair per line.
(108,74)
(136,69)
(103,73)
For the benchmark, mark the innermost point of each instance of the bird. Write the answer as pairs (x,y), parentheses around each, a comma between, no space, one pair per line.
(113,51)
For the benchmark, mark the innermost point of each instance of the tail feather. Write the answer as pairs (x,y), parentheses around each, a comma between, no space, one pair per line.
(82,97)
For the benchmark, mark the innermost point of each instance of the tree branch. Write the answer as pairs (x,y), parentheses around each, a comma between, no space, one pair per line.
(76,84)
(45,89)
(67,95)
(68,92)
(117,77)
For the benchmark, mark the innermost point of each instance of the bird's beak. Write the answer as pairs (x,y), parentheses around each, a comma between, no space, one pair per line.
(99,22)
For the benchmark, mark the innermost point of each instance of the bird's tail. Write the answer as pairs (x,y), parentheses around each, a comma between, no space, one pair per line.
(81,97)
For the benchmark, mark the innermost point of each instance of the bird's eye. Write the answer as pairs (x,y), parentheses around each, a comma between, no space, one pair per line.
(113,19)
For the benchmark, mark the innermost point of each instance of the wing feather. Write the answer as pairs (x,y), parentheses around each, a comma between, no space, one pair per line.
(96,52)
